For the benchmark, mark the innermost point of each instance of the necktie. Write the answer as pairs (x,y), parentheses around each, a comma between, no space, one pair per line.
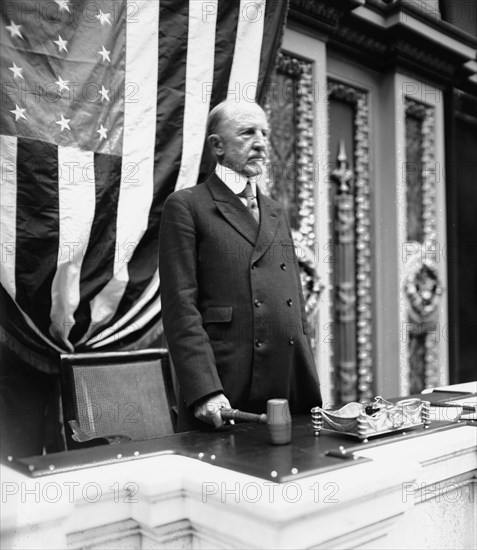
(252,204)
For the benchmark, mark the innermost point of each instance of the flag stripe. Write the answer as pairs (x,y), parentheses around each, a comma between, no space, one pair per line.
(138,334)
(171,49)
(200,72)
(147,316)
(34,328)
(275,15)
(226,31)
(135,319)
(25,340)
(77,202)
(173,31)
(97,268)
(8,205)
(136,177)
(149,295)
(37,228)
(246,63)
(225,42)
(15,318)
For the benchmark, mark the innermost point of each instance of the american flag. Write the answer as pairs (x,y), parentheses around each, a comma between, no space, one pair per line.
(103,114)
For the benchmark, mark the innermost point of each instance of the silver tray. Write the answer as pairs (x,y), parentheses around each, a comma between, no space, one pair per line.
(386,418)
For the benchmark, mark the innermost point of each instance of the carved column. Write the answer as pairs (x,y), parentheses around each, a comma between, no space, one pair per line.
(345,291)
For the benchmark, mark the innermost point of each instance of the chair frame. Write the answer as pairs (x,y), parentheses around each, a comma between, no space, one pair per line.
(71,413)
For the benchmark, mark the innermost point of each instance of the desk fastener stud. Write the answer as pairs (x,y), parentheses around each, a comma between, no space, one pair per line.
(341,452)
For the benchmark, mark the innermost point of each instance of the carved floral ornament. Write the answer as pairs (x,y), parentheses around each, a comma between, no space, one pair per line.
(310,278)
(422,289)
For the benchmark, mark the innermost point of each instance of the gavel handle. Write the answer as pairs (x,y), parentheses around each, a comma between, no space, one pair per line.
(235,414)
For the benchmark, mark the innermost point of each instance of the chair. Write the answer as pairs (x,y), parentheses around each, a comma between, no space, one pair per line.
(118,396)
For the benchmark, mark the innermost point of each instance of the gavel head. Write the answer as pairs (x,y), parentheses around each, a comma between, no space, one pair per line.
(278,421)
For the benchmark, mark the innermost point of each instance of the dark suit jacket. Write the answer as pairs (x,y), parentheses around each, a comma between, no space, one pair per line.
(232,302)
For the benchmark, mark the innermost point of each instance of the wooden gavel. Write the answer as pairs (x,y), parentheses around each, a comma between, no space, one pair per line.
(241,416)
(277,419)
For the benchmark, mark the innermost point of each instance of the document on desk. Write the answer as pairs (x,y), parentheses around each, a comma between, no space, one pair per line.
(447,406)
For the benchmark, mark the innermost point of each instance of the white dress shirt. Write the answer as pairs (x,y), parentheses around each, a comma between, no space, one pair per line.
(235,181)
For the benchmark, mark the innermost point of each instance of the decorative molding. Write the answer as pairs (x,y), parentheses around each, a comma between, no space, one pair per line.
(422,287)
(387,35)
(319,10)
(321,14)
(465,106)
(363,273)
(294,111)
(363,249)
(131,533)
(382,49)
(310,278)
(362,40)
(424,58)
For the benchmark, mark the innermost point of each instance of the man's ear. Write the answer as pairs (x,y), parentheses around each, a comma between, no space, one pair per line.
(216,144)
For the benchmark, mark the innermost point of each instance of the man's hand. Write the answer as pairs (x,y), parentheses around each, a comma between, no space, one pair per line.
(209,410)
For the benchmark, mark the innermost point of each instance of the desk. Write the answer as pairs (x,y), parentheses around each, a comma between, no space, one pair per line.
(231,489)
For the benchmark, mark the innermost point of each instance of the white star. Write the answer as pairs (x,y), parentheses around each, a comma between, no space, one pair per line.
(104,94)
(63,5)
(17,71)
(105,53)
(103,17)
(62,84)
(64,123)
(103,132)
(18,113)
(14,29)
(61,44)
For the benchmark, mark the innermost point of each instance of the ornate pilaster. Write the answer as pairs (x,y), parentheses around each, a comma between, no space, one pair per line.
(362,239)
(422,287)
(291,170)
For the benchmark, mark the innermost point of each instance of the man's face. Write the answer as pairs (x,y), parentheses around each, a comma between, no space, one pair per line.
(242,140)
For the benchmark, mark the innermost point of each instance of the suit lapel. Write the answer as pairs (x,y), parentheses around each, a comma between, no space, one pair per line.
(270,212)
(237,215)
(232,209)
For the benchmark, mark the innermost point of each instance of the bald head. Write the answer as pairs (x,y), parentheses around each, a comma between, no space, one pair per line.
(238,136)
(227,110)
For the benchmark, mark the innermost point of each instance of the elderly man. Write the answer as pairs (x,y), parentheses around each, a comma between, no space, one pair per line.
(233,307)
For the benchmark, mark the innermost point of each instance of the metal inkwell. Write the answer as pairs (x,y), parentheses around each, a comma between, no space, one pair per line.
(363,420)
